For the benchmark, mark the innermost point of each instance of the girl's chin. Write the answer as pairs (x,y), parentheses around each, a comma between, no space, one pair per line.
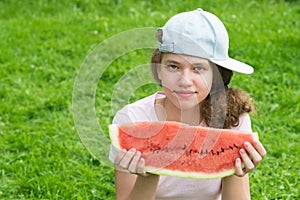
(184,106)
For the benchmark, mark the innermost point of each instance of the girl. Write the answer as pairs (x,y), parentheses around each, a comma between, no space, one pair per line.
(193,68)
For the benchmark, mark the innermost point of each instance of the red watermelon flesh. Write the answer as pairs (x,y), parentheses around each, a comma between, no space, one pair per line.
(176,149)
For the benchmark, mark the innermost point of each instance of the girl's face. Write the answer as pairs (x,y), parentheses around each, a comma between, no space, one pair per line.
(186,80)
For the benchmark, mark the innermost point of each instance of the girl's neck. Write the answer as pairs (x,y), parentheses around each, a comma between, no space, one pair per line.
(167,111)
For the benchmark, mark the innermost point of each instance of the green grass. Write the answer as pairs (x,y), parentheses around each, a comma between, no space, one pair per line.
(43,45)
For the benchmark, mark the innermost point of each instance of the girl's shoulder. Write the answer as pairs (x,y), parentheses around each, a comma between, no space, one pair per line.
(144,103)
(140,110)
(244,123)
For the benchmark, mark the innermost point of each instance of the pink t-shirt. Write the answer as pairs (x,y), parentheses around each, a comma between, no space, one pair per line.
(173,187)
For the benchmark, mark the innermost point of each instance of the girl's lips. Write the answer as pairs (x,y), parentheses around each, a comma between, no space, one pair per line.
(184,93)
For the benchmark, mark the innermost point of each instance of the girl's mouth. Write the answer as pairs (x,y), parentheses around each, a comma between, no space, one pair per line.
(184,93)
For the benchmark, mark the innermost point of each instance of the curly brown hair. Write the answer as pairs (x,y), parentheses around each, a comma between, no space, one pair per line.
(223,106)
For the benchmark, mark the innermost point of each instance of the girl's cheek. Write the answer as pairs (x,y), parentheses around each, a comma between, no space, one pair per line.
(168,80)
(204,82)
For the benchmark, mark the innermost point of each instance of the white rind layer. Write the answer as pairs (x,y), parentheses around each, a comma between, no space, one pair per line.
(195,175)
(114,135)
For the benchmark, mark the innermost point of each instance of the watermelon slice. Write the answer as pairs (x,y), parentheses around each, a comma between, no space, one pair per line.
(175,149)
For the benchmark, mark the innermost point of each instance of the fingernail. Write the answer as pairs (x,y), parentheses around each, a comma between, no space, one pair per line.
(132,150)
(247,144)
(242,151)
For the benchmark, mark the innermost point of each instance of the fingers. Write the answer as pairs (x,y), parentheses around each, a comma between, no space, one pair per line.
(249,165)
(141,166)
(256,152)
(133,165)
(238,168)
(244,164)
(127,157)
(260,148)
(130,161)
(251,156)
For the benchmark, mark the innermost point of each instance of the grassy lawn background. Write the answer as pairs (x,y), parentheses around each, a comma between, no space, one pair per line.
(44,43)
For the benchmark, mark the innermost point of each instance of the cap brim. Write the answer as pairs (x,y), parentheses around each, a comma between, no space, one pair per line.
(234,65)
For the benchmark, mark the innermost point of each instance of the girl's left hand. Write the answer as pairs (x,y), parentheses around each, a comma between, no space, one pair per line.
(251,156)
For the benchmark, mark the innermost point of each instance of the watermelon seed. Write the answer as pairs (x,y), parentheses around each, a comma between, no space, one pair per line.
(201,153)
(191,151)
(165,149)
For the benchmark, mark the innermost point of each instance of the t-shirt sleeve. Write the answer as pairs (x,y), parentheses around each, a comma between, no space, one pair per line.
(244,123)
(122,117)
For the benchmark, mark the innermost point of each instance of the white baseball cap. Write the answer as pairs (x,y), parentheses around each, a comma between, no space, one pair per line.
(202,34)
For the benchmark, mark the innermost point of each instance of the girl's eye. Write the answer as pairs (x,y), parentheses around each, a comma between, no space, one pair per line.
(198,69)
(172,67)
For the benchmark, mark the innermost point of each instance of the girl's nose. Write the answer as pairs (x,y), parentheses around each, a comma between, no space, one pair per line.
(186,79)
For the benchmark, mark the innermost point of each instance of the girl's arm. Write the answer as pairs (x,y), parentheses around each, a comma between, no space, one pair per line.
(237,186)
(234,187)
(128,184)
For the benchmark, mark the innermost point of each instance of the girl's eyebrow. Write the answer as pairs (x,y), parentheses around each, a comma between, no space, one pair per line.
(172,61)
(201,64)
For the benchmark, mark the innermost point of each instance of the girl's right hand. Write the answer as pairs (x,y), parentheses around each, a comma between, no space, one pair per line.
(130,161)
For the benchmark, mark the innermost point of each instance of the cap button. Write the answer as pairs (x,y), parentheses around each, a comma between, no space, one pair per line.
(199,9)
